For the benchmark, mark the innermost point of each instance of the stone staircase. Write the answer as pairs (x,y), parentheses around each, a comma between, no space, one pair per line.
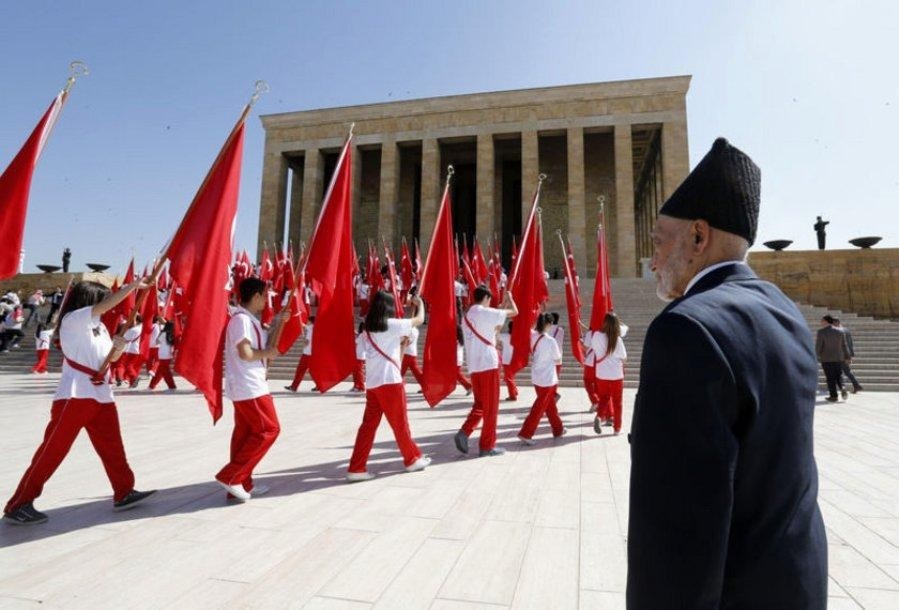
(876,341)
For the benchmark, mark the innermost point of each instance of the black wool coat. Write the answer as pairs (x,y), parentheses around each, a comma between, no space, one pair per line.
(724,486)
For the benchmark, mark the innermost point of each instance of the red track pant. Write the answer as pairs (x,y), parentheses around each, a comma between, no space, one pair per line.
(41,365)
(255,430)
(152,360)
(486,406)
(462,380)
(509,379)
(130,367)
(163,371)
(302,367)
(609,392)
(389,400)
(410,363)
(544,403)
(590,383)
(359,375)
(67,417)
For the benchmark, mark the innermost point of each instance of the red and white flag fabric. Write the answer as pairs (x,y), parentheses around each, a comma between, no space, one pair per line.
(602,289)
(200,255)
(573,302)
(528,286)
(15,186)
(299,309)
(439,294)
(394,286)
(329,269)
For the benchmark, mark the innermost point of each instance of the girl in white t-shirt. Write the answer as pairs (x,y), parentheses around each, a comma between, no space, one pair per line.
(608,346)
(42,336)
(165,344)
(155,330)
(384,393)
(79,403)
(131,357)
(545,355)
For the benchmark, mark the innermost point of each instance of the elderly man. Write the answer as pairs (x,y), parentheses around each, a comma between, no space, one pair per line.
(723,493)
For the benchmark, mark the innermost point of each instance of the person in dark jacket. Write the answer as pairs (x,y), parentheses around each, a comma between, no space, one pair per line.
(832,351)
(723,492)
(847,364)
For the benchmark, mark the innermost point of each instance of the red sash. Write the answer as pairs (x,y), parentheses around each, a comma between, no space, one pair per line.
(476,333)
(91,373)
(381,352)
(536,343)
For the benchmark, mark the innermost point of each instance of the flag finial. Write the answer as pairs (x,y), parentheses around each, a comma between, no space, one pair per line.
(541,177)
(259,88)
(76,68)
(352,127)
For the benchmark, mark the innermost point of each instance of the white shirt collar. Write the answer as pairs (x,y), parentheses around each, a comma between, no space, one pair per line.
(704,272)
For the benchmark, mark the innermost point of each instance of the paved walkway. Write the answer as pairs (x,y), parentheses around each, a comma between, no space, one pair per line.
(541,527)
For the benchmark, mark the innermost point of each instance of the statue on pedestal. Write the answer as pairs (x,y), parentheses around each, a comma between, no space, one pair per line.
(66,257)
(822,234)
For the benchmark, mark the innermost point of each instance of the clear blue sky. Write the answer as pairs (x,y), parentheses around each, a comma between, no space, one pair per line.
(808,89)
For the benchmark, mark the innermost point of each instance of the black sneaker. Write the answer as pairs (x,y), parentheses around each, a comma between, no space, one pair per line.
(494,451)
(133,498)
(26,514)
(832,399)
(597,425)
(461,441)
(511,398)
(290,387)
(845,394)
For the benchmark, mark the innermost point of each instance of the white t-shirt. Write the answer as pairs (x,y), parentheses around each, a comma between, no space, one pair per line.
(85,340)
(411,348)
(360,346)
(545,354)
(589,352)
(244,380)
(132,336)
(362,292)
(506,340)
(482,356)
(558,333)
(460,355)
(165,348)
(460,288)
(43,340)
(378,369)
(612,367)
(307,335)
(154,334)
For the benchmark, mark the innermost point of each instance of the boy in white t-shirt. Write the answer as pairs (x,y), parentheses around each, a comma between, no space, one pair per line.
(558,333)
(80,403)
(42,337)
(247,349)
(545,355)
(479,326)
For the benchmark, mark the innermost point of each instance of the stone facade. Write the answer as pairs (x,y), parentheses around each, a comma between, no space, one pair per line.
(625,141)
(865,282)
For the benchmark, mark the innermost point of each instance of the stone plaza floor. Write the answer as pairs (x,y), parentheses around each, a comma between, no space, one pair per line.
(541,527)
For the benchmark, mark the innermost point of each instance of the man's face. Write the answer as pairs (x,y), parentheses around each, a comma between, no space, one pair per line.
(671,256)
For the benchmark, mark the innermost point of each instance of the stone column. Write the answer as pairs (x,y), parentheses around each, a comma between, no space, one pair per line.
(389,189)
(430,190)
(625,239)
(313,169)
(485,182)
(296,206)
(577,199)
(273,201)
(530,169)
(675,156)
(356,173)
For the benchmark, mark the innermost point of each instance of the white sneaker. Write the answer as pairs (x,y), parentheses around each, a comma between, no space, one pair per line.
(237,491)
(419,464)
(356,477)
(563,432)
(527,441)
(259,490)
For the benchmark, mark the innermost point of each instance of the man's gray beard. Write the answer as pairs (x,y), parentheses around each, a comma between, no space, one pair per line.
(660,291)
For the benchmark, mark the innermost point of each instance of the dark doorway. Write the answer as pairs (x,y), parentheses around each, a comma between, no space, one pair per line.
(464,196)
(511,208)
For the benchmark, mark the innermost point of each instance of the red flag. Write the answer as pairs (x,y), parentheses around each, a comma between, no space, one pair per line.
(299,312)
(391,270)
(478,264)
(439,293)
(573,301)
(200,255)
(329,268)
(162,282)
(528,286)
(469,278)
(148,318)
(15,186)
(602,289)
(266,268)
(127,304)
(407,273)
(110,319)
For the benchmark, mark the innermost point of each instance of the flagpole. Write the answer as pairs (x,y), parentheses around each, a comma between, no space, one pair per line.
(260,87)
(528,227)
(450,170)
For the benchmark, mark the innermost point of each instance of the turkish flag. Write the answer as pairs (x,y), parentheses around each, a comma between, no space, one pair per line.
(391,271)
(573,301)
(128,303)
(299,311)
(478,264)
(200,255)
(407,273)
(329,269)
(266,268)
(15,186)
(148,317)
(528,288)
(439,294)
(110,319)
(602,289)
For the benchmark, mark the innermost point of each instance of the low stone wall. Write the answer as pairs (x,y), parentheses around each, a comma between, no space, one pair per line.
(861,281)
(27,283)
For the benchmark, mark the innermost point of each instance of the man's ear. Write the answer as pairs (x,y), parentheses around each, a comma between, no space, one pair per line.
(701,231)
